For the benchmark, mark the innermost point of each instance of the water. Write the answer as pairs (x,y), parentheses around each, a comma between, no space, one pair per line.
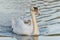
(50,17)
(39,38)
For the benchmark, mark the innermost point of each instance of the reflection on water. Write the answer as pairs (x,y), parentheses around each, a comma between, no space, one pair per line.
(35,38)
(27,37)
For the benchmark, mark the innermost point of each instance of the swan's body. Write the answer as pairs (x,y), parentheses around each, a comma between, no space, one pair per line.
(19,27)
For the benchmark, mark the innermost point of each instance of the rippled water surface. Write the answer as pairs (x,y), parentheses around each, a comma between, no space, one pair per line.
(48,20)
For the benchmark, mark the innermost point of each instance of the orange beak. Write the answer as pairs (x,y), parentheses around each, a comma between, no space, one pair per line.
(36,10)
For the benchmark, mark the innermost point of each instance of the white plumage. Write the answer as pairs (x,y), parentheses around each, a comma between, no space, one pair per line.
(19,27)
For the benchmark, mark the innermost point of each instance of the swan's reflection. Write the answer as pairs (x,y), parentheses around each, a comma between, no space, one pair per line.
(27,37)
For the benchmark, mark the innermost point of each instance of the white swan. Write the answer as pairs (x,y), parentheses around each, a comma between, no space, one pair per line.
(19,27)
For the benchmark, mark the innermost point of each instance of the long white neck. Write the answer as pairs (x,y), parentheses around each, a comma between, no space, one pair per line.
(35,27)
